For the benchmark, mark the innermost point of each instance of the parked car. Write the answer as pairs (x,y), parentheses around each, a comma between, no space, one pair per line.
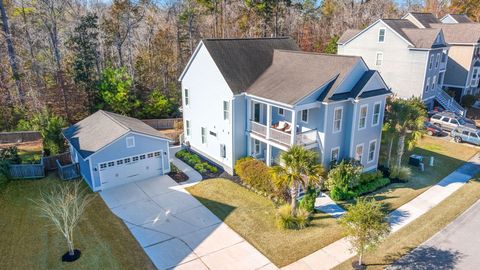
(449,121)
(432,129)
(465,134)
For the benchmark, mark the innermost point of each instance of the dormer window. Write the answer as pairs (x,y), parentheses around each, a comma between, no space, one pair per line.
(381,35)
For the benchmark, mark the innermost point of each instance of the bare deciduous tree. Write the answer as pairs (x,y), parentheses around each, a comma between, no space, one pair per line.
(64,206)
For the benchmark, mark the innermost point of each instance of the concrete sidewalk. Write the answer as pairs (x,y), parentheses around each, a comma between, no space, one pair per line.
(325,204)
(339,251)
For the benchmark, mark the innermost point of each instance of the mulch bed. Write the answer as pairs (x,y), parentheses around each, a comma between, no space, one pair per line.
(207,174)
(177,174)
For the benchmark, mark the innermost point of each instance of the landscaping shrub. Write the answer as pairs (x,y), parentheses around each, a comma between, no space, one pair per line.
(254,173)
(285,220)
(195,161)
(400,173)
(345,174)
(10,154)
(371,186)
(308,201)
(368,177)
(342,193)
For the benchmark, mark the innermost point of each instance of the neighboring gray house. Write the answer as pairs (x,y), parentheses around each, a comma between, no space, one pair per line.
(258,97)
(113,149)
(412,60)
(462,35)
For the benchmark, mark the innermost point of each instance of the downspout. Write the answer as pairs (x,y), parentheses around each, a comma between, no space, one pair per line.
(354,120)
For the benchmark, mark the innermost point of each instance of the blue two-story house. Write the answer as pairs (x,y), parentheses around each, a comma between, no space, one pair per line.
(258,97)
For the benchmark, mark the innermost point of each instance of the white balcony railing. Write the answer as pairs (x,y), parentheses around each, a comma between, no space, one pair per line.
(280,136)
(258,128)
(307,137)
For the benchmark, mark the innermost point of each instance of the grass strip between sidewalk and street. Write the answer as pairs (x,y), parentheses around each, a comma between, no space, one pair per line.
(420,230)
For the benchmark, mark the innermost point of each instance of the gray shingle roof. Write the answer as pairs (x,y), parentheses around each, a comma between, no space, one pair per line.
(460,32)
(419,37)
(461,18)
(347,35)
(294,75)
(242,61)
(425,18)
(102,128)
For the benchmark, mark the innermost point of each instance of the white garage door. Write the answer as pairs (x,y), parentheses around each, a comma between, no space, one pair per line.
(130,169)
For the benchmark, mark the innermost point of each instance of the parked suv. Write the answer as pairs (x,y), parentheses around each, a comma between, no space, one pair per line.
(463,134)
(449,121)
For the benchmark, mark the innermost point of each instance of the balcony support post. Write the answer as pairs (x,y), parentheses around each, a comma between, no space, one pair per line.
(268,156)
(249,113)
(294,127)
(269,120)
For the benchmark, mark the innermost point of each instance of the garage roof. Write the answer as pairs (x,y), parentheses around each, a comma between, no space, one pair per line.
(101,129)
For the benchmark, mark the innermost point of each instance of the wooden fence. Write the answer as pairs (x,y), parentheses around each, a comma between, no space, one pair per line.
(21,136)
(51,161)
(160,124)
(69,171)
(27,171)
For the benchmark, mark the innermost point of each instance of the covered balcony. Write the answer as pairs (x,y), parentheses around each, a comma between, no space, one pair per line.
(282,125)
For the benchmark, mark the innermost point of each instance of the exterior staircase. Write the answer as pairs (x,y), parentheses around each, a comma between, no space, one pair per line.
(448,102)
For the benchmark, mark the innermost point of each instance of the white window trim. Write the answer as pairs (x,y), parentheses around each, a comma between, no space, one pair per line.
(331,153)
(379,113)
(430,64)
(384,35)
(427,85)
(132,140)
(186,97)
(434,83)
(437,64)
(360,116)
(374,151)
(341,120)
(203,136)
(282,109)
(363,151)
(301,116)
(226,112)
(188,127)
(378,58)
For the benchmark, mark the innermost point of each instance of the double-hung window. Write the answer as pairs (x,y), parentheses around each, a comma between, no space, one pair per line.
(187,127)
(362,121)
(186,97)
(475,75)
(379,59)
(204,135)
(381,35)
(335,154)
(371,150)
(438,60)
(226,110)
(434,81)
(281,111)
(427,86)
(430,65)
(337,120)
(130,142)
(376,114)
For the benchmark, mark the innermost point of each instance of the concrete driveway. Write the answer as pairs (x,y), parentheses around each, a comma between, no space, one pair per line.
(455,247)
(177,231)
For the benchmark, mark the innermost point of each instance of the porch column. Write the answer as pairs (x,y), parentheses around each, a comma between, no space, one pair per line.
(268,158)
(269,120)
(294,127)
(249,145)
(249,113)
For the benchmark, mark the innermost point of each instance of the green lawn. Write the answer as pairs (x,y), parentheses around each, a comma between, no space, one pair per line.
(448,157)
(253,217)
(26,242)
(421,229)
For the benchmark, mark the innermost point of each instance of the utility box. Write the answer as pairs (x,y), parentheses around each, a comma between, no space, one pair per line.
(415,160)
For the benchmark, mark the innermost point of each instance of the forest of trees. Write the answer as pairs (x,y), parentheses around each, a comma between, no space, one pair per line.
(73,57)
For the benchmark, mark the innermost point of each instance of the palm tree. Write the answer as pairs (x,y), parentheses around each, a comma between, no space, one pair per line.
(299,168)
(407,117)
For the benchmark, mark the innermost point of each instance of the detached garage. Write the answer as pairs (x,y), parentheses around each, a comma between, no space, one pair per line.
(113,150)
